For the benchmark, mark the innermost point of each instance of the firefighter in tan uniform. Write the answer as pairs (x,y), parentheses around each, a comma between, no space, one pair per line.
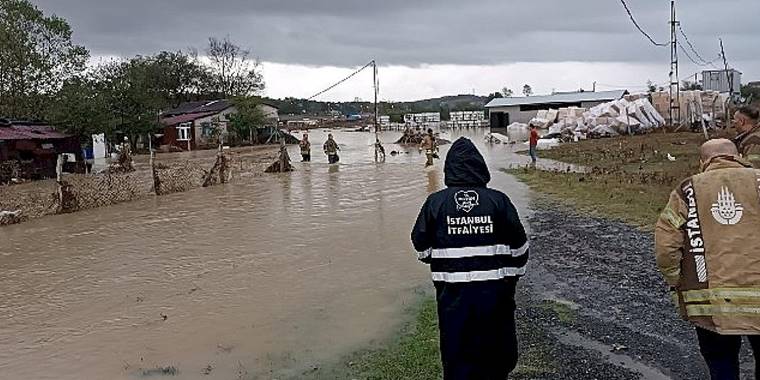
(747,124)
(708,249)
(428,144)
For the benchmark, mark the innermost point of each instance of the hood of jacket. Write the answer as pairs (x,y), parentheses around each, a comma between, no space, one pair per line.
(465,166)
(725,162)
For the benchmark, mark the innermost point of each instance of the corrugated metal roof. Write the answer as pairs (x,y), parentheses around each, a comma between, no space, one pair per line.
(30,132)
(576,97)
(169,121)
(215,106)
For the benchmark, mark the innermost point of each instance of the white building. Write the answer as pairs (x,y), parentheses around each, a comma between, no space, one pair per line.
(505,111)
(425,119)
(468,119)
(721,80)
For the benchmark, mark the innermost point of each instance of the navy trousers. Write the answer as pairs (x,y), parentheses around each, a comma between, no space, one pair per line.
(721,352)
(477,323)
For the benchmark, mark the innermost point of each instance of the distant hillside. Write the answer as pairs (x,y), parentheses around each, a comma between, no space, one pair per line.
(444,105)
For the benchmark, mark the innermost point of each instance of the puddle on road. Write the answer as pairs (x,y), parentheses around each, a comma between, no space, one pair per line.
(618,359)
(264,276)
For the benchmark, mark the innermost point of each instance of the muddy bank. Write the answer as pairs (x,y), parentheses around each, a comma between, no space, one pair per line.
(176,172)
(598,277)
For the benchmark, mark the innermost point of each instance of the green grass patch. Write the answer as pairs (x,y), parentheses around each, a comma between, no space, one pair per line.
(413,355)
(629,179)
(610,196)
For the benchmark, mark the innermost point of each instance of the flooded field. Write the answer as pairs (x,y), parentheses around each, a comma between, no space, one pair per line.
(265,277)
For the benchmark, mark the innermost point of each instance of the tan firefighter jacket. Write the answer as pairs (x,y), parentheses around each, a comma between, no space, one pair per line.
(748,144)
(707,243)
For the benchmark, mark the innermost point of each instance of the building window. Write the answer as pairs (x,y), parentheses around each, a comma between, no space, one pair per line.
(183,132)
(207,130)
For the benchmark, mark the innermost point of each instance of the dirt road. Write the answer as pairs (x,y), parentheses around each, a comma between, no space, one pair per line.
(594,289)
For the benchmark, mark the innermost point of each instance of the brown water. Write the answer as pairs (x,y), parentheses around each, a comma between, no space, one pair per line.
(262,278)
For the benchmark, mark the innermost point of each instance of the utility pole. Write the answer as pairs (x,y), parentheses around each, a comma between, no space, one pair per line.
(377,125)
(730,79)
(675,89)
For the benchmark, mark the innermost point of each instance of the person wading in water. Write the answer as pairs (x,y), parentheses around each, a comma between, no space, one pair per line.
(305,148)
(331,150)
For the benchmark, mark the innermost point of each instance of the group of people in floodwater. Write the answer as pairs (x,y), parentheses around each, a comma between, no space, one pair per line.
(426,142)
(330,148)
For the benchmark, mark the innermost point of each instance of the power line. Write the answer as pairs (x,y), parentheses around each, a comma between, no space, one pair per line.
(691,46)
(342,80)
(686,53)
(636,24)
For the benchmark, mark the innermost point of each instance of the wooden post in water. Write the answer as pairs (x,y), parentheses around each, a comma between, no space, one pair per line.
(377,125)
(59,181)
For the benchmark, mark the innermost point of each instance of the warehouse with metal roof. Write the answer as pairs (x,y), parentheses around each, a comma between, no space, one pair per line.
(504,111)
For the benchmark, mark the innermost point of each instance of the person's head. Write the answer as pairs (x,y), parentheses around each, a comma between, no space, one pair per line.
(430,131)
(329,136)
(465,165)
(746,118)
(717,148)
(305,136)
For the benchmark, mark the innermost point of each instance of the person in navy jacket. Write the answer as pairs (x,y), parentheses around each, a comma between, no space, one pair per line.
(473,240)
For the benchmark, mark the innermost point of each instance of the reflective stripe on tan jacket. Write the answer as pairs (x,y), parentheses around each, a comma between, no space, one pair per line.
(707,243)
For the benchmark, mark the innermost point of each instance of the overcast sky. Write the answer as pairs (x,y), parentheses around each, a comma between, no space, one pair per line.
(430,48)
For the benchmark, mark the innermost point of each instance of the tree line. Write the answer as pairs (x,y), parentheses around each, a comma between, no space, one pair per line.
(45,76)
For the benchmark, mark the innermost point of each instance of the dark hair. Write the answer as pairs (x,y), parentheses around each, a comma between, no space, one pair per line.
(430,130)
(750,112)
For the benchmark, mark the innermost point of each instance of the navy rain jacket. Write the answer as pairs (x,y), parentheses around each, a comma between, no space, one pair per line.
(476,246)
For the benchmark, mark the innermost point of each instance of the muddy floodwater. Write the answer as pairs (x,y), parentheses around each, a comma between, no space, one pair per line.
(265,277)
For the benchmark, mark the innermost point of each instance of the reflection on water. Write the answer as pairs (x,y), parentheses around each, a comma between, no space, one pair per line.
(266,276)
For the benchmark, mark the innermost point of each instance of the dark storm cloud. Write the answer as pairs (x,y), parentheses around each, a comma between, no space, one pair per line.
(407,32)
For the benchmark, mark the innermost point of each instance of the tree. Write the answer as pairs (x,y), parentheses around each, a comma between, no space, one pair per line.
(690,86)
(36,57)
(177,76)
(132,96)
(651,86)
(493,96)
(81,109)
(507,92)
(247,120)
(750,93)
(233,72)
(527,90)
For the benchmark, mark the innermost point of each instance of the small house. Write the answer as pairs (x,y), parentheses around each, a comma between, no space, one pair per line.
(33,149)
(194,125)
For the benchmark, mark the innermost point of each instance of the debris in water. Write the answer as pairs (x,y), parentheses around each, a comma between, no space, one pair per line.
(225,349)
(207,371)
(164,316)
(159,371)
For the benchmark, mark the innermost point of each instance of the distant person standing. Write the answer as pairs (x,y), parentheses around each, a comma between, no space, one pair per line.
(473,240)
(533,143)
(707,247)
(331,150)
(428,145)
(748,140)
(305,148)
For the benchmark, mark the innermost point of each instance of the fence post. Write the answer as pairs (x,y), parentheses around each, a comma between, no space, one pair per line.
(154,173)
(222,163)
(59,180)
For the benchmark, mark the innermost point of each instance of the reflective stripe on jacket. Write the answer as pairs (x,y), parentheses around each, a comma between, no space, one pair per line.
(708,245)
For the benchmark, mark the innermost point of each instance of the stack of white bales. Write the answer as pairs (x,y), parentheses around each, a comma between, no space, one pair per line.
(621,117)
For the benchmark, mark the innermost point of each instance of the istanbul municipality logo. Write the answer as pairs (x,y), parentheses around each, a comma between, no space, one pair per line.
(466,200)
(726,211)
